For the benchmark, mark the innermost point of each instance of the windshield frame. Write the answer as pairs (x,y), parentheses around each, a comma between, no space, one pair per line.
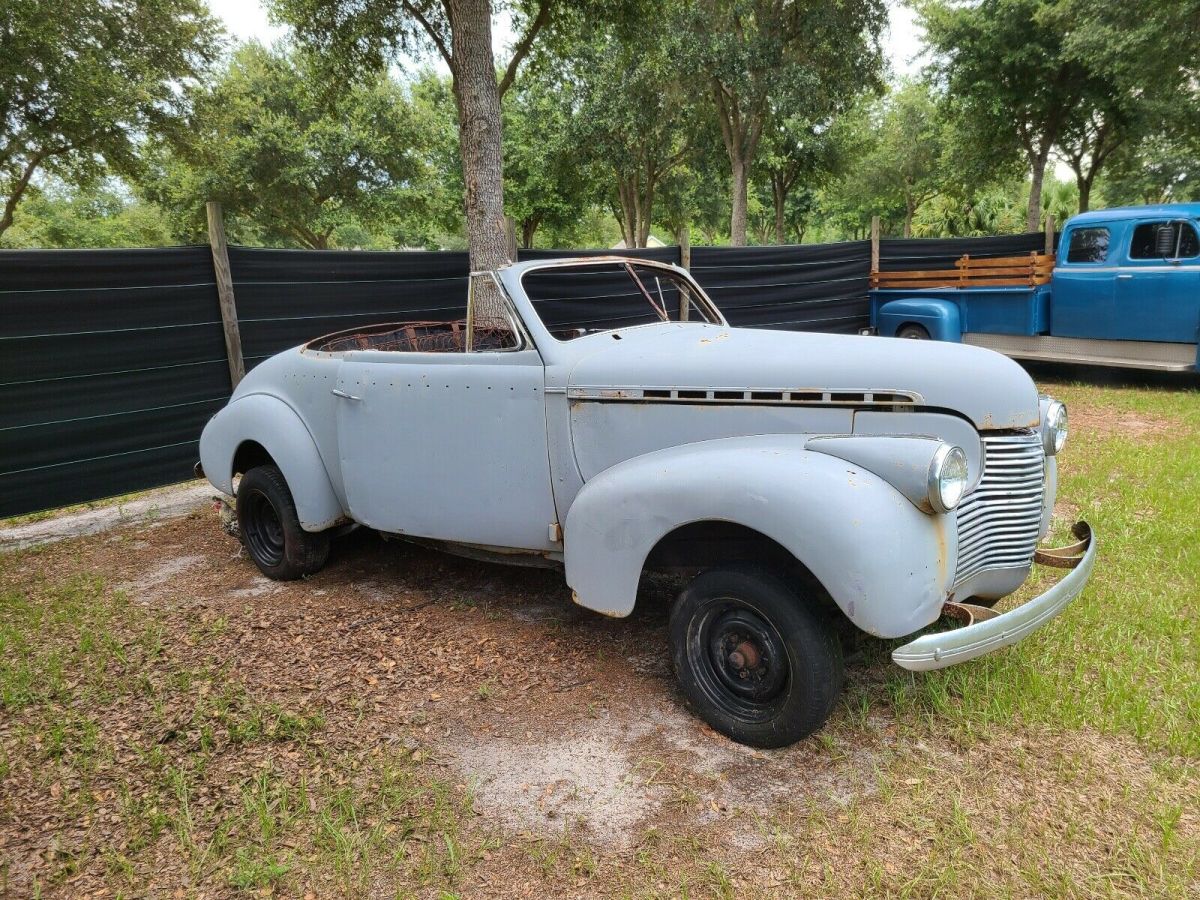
(710,314)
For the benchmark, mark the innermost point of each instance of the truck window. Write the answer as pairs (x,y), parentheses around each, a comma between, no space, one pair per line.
(1145,241)
(1088,245)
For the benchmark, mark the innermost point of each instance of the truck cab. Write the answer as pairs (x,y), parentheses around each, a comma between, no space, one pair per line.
(1124,290)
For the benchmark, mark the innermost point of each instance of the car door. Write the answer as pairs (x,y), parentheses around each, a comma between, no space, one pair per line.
(1082,292)
(1158,291)
(447,445)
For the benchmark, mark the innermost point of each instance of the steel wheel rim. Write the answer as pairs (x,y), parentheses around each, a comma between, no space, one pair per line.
(263,529)
(739,659)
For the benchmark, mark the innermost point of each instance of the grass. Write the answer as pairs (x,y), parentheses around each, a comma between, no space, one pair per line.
(104,721)
(1124,658)
(1065,766)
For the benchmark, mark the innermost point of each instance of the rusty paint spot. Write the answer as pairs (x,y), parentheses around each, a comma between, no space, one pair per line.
(943,555)
(423,337)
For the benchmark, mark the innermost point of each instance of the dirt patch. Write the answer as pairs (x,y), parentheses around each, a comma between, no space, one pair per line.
(577,780)
(160,578)
(561,734)
(1108,423)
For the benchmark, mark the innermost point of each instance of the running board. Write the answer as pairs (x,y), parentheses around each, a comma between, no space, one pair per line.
(1125,354)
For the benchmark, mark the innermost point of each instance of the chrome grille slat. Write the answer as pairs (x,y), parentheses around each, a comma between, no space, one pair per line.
(998,522)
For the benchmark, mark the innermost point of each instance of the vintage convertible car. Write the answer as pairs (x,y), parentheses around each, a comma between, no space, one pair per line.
(600,415)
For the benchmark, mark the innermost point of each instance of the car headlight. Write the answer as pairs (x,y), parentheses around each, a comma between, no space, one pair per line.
(1054,428)
(947,478)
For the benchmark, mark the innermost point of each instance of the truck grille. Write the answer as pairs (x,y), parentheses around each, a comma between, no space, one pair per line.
(998,522)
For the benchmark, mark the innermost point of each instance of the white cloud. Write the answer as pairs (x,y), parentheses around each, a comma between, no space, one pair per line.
(904,40)
(246,20)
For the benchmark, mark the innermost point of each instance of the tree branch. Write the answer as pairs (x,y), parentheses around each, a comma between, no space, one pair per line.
(18,191)
(434,36)
(524,45)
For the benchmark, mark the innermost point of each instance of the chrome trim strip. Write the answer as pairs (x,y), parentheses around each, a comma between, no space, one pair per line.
(756,395)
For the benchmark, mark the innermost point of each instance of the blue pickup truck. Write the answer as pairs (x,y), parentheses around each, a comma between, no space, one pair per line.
(1123,290)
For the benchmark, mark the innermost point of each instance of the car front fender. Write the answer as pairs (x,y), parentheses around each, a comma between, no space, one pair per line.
(941,318)
(886,564)
(271,423)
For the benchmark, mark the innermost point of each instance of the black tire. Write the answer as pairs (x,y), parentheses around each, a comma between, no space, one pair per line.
(734,614)
(270,529)
(913,333)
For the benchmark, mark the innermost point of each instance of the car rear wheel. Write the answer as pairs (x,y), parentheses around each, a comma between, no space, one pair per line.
(754,660)
(913,333)
(271,531)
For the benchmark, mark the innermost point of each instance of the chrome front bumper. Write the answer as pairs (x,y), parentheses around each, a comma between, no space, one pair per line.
(991,631)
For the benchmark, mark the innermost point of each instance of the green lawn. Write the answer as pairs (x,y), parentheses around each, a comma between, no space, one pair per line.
(154,745)
(1125,658)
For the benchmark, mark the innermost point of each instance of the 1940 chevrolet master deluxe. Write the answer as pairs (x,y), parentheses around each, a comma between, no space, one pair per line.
(601,415)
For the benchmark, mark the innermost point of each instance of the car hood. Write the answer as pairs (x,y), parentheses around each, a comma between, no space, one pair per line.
(989,389)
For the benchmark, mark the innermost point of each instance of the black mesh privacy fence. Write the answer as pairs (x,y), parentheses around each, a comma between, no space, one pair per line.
(111,361)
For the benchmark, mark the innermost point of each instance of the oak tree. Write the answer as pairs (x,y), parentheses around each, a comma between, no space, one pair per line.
(760,58)
(354,36)
(290,162)
(80,86)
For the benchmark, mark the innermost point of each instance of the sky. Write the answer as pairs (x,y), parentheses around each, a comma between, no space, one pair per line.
(247,19)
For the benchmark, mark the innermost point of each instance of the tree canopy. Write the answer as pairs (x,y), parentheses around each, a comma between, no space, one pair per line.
(82,84)
(397,123)
(288,158)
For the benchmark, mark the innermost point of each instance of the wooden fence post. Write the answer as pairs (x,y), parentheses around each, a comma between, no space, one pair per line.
(1049,233)
(874,243)
(224,277)
(684,237)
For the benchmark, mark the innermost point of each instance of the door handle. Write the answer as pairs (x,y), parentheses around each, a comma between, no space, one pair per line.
(337,392)
(1124,277)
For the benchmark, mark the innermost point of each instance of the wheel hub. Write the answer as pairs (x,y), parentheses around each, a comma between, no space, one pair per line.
(746,656)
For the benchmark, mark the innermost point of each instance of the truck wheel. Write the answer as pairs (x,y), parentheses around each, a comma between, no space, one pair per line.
(754,660)
(913,333)
(270,528)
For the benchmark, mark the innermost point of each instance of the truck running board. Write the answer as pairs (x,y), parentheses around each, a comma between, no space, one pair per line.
(1126,354)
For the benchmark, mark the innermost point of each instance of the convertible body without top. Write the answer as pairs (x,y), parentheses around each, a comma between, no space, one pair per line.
(801,478)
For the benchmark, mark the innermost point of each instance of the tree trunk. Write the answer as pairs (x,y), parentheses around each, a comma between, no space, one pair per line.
(1084,183)
(683,236)
(780,201)
(477,98)
(628,217)
(741,182)
(645,206)
(910,211)
(1033,215)
(18,191)
(529,227)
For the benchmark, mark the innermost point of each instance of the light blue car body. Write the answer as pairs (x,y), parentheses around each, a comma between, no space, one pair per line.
(590,453)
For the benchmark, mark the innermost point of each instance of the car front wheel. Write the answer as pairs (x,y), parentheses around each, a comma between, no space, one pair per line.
(270,528)
(754,660)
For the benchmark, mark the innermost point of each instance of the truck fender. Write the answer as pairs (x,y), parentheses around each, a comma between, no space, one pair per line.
(886,564)
(941,318)
(269,421)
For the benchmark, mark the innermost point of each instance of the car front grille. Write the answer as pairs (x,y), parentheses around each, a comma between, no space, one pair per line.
(998,522)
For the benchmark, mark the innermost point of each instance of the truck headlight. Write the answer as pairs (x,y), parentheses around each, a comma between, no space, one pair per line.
(947,478)
(1054,428)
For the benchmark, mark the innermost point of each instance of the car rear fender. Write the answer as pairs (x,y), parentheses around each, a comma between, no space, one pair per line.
(271,423)
(886,564)
(941,318)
